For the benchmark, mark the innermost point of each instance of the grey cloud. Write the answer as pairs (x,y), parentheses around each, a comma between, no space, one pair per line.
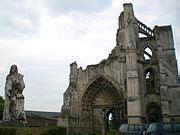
(21,18)
(163,11)
(18,18)
(66,6)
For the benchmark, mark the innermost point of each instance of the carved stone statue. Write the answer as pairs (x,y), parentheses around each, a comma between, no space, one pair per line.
(14,99)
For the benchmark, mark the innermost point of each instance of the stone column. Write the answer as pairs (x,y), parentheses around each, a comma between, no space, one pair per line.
(131,42)
(165,99)
(104,121)
(163,83)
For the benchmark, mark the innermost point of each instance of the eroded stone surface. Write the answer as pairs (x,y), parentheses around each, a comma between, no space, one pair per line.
(14,99)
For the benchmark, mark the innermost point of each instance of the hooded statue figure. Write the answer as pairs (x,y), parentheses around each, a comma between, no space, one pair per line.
(14,99)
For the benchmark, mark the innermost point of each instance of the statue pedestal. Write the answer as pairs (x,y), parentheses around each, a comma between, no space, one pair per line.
(13,123)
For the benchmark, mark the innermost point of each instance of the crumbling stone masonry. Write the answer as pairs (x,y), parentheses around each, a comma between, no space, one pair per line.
(137,83)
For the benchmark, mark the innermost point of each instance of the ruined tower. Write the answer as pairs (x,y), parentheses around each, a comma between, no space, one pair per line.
(137,83)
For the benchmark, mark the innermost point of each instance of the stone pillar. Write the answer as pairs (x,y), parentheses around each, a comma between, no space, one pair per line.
(104,121)
(64,122)
(165,99)
(163,83)
(73,72)
(131,42)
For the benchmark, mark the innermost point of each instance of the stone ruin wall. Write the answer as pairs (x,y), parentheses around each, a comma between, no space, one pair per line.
(112,70)
(115,70)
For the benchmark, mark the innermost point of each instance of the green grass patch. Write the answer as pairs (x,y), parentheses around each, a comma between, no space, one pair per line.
(33,131)
(99,132)
(57,131)
(111,132)
(7,131)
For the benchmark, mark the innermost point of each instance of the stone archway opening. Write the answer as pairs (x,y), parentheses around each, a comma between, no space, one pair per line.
(101,100)
(153,112)
(147,53)
(110,119)
(151,80)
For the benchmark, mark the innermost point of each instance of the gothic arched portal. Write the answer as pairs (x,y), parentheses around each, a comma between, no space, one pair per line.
(99,100)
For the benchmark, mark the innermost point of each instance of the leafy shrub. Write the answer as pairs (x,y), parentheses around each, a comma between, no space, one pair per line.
(96,132)
(99,132)
(57,131)
(7,131)
(1,107)
(32,131)
(111,132)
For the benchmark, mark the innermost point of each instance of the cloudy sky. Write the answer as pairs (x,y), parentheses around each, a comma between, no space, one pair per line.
(44,36)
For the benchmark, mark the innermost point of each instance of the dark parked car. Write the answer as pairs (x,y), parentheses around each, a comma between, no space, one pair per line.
(163,128)
(131,129)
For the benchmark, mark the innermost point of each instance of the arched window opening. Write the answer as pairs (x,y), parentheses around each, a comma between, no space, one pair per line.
(153,112)
(147,53)
(150,82)
(111,119)
(142,35)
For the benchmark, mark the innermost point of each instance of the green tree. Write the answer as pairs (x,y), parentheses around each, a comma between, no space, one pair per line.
(1,107)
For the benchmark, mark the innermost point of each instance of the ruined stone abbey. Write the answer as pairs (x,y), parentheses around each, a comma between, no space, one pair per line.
(137,83)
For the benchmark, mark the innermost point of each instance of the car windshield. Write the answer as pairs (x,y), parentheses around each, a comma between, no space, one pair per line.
(131,127)
(123,127)
(177,128)
(167,128)
(139,128)
(151,128)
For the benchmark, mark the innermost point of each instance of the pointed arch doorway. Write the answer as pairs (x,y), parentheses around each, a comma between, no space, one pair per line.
(100,100)
(153,112)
